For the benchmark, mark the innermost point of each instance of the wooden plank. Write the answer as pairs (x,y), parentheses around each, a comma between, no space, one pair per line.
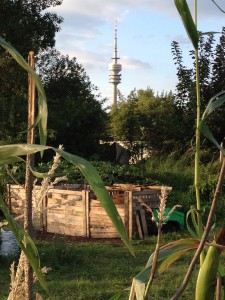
(126,212)
(84,214)
(97,223)
(87,212)
(139,226)
(130,215)
(103,230)
(132,292)
(144,223)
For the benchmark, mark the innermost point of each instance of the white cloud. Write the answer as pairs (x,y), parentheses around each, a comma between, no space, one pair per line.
(134,64)
(101,10)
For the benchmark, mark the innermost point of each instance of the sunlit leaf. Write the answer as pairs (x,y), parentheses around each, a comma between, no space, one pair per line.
(167,255)
(41,119)
(188,22)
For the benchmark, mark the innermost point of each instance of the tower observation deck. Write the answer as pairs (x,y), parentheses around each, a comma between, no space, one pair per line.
(115,69)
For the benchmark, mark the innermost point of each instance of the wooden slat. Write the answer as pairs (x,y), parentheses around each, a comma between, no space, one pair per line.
(139,226)
(87,212)
(80,210)
(143,223)
(130,215)
(84,223)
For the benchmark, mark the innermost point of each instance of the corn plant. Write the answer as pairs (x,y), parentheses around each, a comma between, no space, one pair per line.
(10,154)
(211,274)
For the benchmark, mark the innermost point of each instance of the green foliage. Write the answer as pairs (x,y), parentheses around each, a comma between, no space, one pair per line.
(211,63)
(17,19)
(175,171)
(80,124)
(27,27)
(148,118)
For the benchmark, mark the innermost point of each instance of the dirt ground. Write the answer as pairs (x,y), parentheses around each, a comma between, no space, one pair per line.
(40,236)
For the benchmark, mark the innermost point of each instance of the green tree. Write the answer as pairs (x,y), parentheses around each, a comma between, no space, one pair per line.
(124,125)
(158,120)
(212,81)
(81,123)
(27,26)
(147,118)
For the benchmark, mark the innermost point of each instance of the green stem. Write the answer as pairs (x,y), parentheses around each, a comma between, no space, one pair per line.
(197,153)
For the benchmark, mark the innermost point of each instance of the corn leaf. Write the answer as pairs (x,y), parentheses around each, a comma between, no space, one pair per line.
(41,119)
(13,152)
(213,104)
(187,20)
(192,213)
(167,255)
(25,243)
(208,134)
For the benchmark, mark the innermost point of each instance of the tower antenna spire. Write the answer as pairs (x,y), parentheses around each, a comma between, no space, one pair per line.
(115,69)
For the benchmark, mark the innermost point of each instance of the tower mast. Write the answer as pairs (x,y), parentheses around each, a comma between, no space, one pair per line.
(115,69)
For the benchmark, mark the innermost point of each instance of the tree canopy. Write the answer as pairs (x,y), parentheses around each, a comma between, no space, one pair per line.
(146,117)
(76,117)
(212,81)
(26,26)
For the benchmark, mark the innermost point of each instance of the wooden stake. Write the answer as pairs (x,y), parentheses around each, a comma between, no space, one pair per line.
(28,227)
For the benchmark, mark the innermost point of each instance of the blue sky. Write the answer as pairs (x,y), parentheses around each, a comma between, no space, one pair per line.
(146,29)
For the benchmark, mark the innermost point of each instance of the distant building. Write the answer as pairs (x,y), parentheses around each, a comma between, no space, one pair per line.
(115,69)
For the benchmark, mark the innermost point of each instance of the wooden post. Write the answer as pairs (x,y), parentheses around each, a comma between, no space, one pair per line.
(87,199)
(84,213)
(130,216)
(143,222)
(29,178)
(126,211)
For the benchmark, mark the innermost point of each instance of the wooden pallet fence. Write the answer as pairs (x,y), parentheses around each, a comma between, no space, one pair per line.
(74,209)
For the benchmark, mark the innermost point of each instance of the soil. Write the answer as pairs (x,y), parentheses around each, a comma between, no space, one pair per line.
(40,236)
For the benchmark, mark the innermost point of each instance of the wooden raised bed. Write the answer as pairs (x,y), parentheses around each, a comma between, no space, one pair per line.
(74,209)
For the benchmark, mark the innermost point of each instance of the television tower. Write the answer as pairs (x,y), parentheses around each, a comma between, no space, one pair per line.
(115,68)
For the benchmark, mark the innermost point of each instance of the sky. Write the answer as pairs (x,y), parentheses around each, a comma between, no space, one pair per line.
(145,31)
